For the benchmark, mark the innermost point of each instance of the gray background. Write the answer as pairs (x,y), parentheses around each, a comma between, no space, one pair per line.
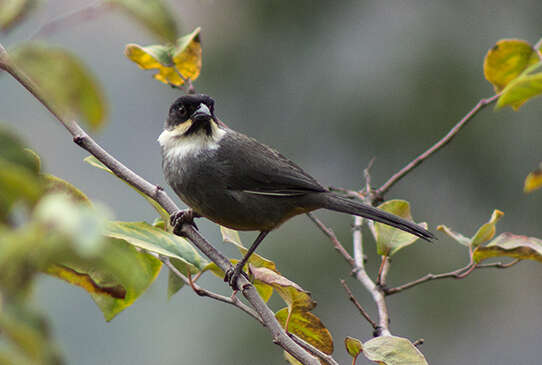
(331,85)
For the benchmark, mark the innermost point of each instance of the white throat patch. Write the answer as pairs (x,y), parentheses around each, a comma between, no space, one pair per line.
(176,145)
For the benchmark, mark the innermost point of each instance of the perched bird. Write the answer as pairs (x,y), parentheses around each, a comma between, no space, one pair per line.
(242,184)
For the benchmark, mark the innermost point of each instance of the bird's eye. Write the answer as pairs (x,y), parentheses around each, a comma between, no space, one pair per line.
(182,111)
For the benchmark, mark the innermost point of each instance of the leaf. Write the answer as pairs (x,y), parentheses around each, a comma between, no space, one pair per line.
(391,350)
(296,298)
(184,58)
(93,161)
(153,14)
(510,245)
(147,237)
(507,60)
(13,11)
(64,82)
(458,237)
(55,184)
(115,279)
(308,327)
(523,88)
(486,231)
(389,240)
(28,333)
(82,224)
(19,173)
(353,347)
(533,180)
(174,284)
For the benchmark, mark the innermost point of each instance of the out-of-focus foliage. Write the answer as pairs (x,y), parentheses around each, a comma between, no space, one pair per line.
(13,11)
(63,81)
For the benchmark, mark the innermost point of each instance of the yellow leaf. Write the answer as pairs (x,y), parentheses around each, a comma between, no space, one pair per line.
(510,245)
(507,60)
(184,58)
(533,180)
(486,231)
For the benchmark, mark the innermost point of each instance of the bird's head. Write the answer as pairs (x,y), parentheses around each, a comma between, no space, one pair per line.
(191,118)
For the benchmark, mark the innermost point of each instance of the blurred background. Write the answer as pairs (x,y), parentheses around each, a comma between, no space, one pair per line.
(331,85)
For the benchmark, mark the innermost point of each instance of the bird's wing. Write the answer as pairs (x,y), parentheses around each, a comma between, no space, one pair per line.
(258,169)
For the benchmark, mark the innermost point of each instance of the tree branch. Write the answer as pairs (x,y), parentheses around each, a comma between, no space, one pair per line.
(359,306)
(456,274)
(329,232)
(307,346)
(437,146)
(80,137)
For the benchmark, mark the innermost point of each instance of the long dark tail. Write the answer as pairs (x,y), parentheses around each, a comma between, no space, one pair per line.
(340,204)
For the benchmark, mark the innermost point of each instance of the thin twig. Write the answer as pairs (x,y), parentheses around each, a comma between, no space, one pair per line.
(81,138)
(333,238)
(307,346)
(359,306)
(456,274)
(383,271)
(437,146)
(86,13)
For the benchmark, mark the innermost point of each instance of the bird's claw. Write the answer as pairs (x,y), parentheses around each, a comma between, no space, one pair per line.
(232,275)
(181,217)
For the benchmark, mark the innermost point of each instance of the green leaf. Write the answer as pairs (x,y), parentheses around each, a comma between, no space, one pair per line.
(115,279)
(533,180)
(486,231)
(353,346)
(54,184)
(174,284)
(510,245)
(507,60)
(13,11)
(524,87)
(63,81)
(391,350)
(13,150)
(147,237)
(153,14)
(184,58)
(81,224)
(29,335)
(93,161)
(308,327)
(389,240)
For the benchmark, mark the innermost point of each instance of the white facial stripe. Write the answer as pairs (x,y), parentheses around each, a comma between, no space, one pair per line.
(177,145)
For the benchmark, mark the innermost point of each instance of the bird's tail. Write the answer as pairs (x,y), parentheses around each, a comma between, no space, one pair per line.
(340,204)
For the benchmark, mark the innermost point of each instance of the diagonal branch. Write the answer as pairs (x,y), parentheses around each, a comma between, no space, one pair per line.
(359,306)
(333,238)
(80,137)
(434,148)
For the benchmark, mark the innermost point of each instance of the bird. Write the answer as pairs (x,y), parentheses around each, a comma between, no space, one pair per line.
(242,184)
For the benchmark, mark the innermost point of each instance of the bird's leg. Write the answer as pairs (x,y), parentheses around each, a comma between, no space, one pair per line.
(183,216)
(233,274)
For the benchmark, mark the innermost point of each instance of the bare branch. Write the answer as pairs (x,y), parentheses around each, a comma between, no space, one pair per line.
(437,146)
(359,306)
(73,18)
(456,274)
(375,291)
(80,137)
(329,232)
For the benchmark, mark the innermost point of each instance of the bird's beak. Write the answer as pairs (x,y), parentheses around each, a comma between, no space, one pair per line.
(201,114)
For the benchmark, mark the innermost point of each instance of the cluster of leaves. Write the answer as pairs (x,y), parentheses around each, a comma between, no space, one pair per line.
(514,68)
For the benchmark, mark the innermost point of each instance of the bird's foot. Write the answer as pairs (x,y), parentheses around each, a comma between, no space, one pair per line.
(181,217)
(232,275)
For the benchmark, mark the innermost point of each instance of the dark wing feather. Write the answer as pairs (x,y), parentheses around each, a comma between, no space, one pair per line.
(256,168)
